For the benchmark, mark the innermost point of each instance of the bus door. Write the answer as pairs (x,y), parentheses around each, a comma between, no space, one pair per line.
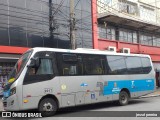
(104,83)
(94,69)
(38,80)
(70,70)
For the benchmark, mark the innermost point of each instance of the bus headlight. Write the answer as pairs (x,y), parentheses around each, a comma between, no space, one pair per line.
(13,91)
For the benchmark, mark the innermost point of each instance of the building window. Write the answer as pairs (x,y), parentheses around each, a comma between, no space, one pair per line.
(146,39)
(128,36)
(156,41)
(102,32)
(147,13)
(107,33)
(127,7)
(134,37)
(103,4)
(110,33)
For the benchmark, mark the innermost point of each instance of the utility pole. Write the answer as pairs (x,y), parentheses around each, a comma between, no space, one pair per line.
(72,25)
(51,22)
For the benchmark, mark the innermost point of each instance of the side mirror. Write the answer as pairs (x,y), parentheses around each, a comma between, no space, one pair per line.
(35,62)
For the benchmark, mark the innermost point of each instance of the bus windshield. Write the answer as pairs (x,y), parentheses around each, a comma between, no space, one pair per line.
(18,67)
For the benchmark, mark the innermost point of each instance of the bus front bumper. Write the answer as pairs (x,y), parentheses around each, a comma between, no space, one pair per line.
(10,103)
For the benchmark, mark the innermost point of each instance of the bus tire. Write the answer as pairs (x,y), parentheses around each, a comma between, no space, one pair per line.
(123,98)
(47,107)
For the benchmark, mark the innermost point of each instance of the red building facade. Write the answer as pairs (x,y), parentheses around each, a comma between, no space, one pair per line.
(135,48)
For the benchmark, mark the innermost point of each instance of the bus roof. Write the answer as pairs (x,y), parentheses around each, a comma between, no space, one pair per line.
(85,50)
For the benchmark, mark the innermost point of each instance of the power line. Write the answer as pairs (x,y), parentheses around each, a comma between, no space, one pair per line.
(24,13)
(76,4)
(58,8)
(26,9)
(65,16)
(26,18)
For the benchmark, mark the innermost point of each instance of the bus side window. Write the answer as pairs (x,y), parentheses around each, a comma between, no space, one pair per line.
(116,65)
(69,64)
(71,70)
(134,65)
(45,67)
(45,70)
(146,65)
(93,65)
(65,71)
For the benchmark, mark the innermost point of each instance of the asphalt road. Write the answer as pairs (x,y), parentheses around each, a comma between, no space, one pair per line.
(144,104)
(97,111)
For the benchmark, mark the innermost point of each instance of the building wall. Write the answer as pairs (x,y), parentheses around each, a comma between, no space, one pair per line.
(144,10)
(154,3)
(25,23)
(154,52)
(138,40)
(83,22)
(129,34)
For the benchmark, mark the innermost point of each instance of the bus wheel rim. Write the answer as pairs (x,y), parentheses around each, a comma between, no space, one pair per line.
(123,99)
(48,107)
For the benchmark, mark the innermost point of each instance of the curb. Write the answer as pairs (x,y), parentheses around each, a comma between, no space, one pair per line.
(147,96)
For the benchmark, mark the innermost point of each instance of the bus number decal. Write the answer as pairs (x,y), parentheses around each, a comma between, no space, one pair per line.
(47,90)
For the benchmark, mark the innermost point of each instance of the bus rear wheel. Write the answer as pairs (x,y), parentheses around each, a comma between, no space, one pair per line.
(48,107)
(123,98)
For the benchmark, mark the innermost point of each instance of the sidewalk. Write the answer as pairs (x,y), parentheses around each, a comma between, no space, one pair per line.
(154,94)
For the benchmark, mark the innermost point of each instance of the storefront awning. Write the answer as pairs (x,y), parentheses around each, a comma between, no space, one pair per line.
(9,57)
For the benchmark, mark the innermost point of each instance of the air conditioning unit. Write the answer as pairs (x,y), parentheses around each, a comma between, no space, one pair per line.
(112,48)
(125,50)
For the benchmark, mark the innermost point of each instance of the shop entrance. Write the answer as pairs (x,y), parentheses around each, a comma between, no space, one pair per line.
(6,66)
(158,78)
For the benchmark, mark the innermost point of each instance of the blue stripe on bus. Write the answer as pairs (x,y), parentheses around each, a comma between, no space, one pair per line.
(114,87)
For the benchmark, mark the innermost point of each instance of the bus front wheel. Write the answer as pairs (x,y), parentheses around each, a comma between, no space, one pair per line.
(48,107)
(123,98)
